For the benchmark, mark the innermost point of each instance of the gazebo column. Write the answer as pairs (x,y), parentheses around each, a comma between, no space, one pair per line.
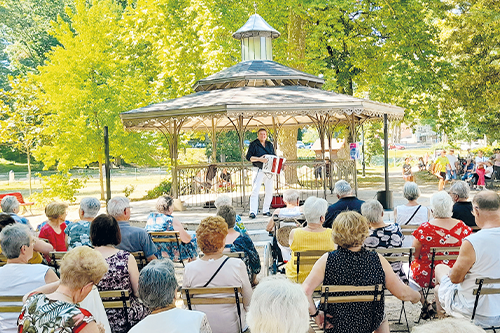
(352,130)
(214,142)
(175,126)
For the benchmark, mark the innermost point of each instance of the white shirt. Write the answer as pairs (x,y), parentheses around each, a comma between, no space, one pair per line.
(453,160)
(173,321)
(481,159)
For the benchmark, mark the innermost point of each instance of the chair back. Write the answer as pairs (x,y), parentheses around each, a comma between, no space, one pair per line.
(6,307)
(408,229)
(115,299)
(167,237)
(238,255)
(3,259)
(214,296)
(306,258)
(140,258)
(55,260)
(482,290)
(446,253)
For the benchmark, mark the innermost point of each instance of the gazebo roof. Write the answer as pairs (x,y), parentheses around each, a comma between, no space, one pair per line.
(256,26)
(289,105)
(257,73)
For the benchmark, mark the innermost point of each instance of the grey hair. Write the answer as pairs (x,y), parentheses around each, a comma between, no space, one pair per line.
(461,189)
(441,204)
(454,325)
(314,208)
(342,188)
(372,210)
(278,306)
(117,205)
(223,200)
(164,203)
(9,204)
(157,284)
(90,207)
(291,196)
(12,238)
(411,191)
(228,214)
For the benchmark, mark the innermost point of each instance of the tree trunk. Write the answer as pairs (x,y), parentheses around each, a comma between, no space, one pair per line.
(28,154)
(287,141)
(101,177)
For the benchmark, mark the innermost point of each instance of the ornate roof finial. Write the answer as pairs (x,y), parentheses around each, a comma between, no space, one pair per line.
(255,7)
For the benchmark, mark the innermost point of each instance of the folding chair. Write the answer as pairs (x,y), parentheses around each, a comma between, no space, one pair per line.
(306,258)
(116,299)
(7,306)
(408,229)
(435,257)
(167,237)
(403,254)
(3,260)
(239,255)
(212,296)
(55,260)
(140,259)
(332,294)
(481,290)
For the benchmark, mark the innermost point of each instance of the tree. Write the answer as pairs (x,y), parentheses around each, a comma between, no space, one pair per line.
(21,118)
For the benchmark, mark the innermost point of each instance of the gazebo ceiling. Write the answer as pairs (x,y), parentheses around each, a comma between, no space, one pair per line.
(257,73)
(288,105)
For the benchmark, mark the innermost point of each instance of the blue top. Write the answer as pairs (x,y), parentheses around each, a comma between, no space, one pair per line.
(252,260)
(257,149)
(19,219)
(78,234)
(135,239)
(344,204)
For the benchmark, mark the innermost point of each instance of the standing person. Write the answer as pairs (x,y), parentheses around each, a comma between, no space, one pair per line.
(451,172)
(480,158)
(256,150)
(78,233)
(407,174)
(440,165)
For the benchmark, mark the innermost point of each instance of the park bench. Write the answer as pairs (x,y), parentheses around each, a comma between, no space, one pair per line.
(19,198)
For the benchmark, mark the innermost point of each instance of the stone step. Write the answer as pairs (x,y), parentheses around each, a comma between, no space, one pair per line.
(259,236)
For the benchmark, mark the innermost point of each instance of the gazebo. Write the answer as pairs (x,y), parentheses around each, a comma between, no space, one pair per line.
(255,93)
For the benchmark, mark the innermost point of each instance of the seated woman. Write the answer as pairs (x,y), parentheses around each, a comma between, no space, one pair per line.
(311,237)
(353,265)
(462,208)
(385,236)
(216,270)
(469,170)
(19,278)
(225,200)
(122,274)
(164,221)
(10,206)
(441,231)
(157,289)
(240,242)
(53,231)
(81,269)
(278,306)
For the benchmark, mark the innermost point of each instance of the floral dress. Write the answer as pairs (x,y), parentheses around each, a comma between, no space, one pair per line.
(160,222)
(251,259)
(430,235)
(78,234)
(118,278)
(40,314)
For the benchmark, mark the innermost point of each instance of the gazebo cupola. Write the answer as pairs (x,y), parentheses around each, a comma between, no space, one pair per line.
(256,39)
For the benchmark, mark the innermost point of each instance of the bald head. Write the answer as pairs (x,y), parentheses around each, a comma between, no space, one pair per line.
(487,200)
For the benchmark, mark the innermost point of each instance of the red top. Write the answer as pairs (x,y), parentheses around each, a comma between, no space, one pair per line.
(58,241)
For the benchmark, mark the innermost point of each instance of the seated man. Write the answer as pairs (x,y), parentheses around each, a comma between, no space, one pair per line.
(462,209)
(79,232)
(347,201)
(478,257)
(134,239)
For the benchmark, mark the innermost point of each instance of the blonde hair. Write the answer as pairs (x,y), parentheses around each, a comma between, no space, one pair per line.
(55,209)
(350,229)
(82,266)
(448,325)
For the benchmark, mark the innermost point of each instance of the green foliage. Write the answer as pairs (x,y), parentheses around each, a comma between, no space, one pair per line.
(310,135)
(488,151)
(374,132)
(59,186)
(161,189)
(128,190)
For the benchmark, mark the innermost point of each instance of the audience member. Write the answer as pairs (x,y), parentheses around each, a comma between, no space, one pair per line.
(441,164)
(164,221)
(53,231)
(489,170)
(469,170)
(451,171)
(81,269)
(448,325)
(278,306)
(240,242)
(216,270)
(157,289)
(351,264)
(478,258)
(421,164)
(496,163)
(122,274)
(441,231)
(479,176)
(78,233)
(225,200)
(462,208)
(411,213)
(40,246)
(385,236)
(19,278)
(133,239)
(311,237)
(480,158)
(10,206)
(347,201)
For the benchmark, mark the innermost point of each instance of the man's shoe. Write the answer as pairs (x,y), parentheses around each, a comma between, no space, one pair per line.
(252,215)
(267,214)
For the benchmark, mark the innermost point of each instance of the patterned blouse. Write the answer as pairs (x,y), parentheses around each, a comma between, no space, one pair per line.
(252,260)
(41,314)
(78,234)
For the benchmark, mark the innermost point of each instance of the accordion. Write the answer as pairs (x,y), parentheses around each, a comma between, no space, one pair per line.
(273,165)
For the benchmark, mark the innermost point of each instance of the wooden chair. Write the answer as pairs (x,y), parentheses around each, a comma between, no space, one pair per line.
(214,296)
(481,290)
(6,307)
(239,255)
(167,237)
(116,299)
(306,258)
(55,260)
(140,258)
(3,260)
(408,229)
(435,257)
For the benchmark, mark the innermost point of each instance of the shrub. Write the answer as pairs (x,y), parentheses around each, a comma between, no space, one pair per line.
(161,189)
(127,191)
